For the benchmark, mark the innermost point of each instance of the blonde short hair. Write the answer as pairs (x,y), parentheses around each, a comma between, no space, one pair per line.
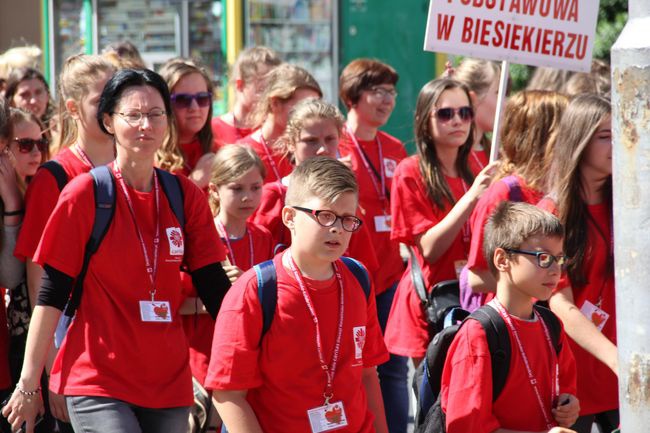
(322,177)
(512,223)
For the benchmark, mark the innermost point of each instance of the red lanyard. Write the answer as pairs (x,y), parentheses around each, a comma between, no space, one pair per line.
(380,189)
(533,382)
(84,156)
(152,268)
(224,235)
(265,145)
(330,370)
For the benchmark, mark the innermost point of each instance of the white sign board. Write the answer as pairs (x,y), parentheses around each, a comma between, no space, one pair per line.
(553,33)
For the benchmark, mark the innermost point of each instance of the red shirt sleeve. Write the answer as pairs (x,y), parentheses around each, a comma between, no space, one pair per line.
(203,246)
(40,200)
(236,344)
(466,391)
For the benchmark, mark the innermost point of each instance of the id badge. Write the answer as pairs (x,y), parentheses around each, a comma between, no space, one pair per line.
(382,223)
(597,316)
(327,418)
(155,311)
(458,267)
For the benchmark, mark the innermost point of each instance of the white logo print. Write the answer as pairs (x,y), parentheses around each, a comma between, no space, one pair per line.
(359,336)
(175,238)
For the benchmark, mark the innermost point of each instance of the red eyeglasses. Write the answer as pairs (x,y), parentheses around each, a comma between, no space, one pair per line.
(184,100)
(25,145)
(466,114)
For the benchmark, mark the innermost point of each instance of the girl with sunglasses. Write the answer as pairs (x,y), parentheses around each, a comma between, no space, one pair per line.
(580,193)
(286,86)
(28,148)
(531,120)
(191,95)
(314,129)
(248,78)
(434,193)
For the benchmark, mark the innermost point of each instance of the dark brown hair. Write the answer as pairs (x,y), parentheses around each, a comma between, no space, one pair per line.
(362,74)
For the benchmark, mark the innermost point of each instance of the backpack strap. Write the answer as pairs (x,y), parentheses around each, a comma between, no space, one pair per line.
(417,278)
(553,324)
(267,292)
(267,287)
(172,188)
(514,189)
(54,167)
(359,272)
(498,339)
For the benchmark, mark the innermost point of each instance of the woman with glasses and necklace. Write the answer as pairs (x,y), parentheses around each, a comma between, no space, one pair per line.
(191,94)
(434,193)
(367,89)
(123,365)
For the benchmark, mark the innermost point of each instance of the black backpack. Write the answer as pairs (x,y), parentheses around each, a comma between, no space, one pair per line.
(104,185)
(427,381)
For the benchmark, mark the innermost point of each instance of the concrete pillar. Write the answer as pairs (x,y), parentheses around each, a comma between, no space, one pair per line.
(631,177)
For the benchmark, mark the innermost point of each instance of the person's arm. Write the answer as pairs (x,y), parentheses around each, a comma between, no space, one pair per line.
(481,280)
(553,430)
(236,413)
(12,270)
(211,284)
(375,401)
(436,241)
(201,173)
(582,330)
(34,277)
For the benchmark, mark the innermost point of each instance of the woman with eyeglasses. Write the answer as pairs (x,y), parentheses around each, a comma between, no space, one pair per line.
(531,121)
(434,193)
(123,365)
(367,89)
(191,94)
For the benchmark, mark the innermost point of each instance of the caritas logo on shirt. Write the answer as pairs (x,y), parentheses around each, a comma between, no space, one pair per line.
(359,336)
(175,239)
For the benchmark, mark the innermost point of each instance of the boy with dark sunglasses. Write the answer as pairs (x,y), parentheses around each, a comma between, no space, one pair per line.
(523,248)
(315,368)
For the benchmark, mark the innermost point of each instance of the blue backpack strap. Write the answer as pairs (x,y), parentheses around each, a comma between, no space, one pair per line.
(267,292)
(54,167)
(514,189)
(172,188)
(359,272)
(104,186)
(498,339)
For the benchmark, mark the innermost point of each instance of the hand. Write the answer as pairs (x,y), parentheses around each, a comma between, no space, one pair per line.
(561,430)
(232,272)
(347,161)
(566,414)
(58,407)
(9,192)
(483,180)
(203,170)
(23,409)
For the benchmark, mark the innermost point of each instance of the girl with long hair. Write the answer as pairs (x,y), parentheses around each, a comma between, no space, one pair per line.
(434,193)
(286,86)
(580,193)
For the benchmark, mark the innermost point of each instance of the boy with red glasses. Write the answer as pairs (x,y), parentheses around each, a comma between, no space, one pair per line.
(315,368)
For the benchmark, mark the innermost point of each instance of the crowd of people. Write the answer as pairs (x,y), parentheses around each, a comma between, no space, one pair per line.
(133,210)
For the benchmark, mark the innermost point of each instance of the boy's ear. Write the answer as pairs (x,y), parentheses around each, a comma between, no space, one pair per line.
(501,261)
(288,216)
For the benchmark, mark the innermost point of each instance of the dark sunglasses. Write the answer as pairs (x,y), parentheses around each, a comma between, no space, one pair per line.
(184,100)
(446,114)
(25,145)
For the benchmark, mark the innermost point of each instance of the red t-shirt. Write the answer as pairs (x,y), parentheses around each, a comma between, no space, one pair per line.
(413,214)
(225,133)
(277,166)
(40,200)
(283,375)
(109,351)
(192,152)
(601,394)
(495,194)
(199,328)
(466,388)
(372,206)
(269,215)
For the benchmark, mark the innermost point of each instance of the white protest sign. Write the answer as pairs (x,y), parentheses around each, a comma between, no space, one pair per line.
(552,33)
